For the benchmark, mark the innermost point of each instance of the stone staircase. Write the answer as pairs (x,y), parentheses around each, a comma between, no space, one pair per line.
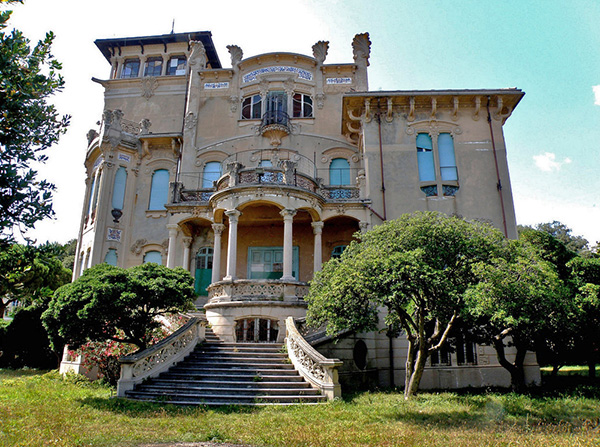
(219,373)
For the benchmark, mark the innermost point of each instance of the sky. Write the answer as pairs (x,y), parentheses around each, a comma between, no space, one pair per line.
(548,48)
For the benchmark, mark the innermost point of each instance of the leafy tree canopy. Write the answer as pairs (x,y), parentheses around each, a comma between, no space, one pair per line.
(111,303)
(30,274)
(28,126)
(417,268)
(518,295)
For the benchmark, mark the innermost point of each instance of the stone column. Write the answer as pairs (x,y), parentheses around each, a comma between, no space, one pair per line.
(288,219)
(173,229)
(216,270)
(233,216)
(187,245)
(318,252)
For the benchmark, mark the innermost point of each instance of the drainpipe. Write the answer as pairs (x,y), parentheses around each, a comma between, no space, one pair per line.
(381,164)
(499,184)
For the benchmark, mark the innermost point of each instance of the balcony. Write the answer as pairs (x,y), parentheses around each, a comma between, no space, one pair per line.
(275,124)
(280,167)
(258,290)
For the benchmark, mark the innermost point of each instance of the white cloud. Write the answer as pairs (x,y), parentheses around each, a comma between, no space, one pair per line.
(581,218)
(596,89)
(547,162)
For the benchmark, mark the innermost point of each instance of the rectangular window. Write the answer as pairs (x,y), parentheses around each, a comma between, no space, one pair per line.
(131,68)
(267,262)
(153,66)
(176,66)
(441,357)
(466,350)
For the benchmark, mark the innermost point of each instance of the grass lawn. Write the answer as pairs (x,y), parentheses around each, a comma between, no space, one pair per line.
(38,409)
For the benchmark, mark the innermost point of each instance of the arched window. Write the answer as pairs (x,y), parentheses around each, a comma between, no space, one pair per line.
(425,158)
(91,196)
(339,172)
(447,159)
(251,107)
(302,106)
(119,188)
(159,191)
(111,257)
(211,173)
(153,256)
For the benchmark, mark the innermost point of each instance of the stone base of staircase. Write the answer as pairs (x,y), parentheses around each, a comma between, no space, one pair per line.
(218,373)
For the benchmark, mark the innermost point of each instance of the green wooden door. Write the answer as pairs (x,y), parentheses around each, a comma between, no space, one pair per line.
(204,262)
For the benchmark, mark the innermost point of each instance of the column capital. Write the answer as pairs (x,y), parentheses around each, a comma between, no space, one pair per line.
(172,228)
(233,215)
(317,227)
(364,226)
(218,228)
(288,213)
(187,241)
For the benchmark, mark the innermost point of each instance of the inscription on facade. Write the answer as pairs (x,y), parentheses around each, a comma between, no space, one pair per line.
(253,75)
(215,85)
(123,157)
(336,81)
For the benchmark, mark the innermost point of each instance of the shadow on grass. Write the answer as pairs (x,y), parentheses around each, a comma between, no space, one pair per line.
(575,405)
(141,409)
(7,373)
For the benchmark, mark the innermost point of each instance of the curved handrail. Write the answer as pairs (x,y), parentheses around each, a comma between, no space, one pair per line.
(317,369)
(152,361)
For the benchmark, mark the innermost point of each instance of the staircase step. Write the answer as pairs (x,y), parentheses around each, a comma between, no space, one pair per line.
(238,391)
(296,382)
(226,373)
(226,399)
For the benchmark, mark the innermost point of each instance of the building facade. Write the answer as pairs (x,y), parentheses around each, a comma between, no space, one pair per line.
(252,176)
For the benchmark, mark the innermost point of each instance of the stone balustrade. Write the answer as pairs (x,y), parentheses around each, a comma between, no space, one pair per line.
(158,358)
(320,371)
(257,290)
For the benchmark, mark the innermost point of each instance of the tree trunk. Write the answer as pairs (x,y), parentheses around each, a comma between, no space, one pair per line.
(414,381)
(517,374)
(591,369)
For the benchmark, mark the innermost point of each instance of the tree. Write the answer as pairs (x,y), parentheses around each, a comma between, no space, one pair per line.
(517,298)
(111,303)
(417,268)
(28,126)
(586,278)
(30,274)
(575,243)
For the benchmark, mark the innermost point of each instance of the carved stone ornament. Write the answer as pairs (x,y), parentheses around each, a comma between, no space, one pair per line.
(236,54)
(320,51)
(361,48)
(91,136)
(145,125)
(190,121)
(149,85)
(320,98)
(198,55)
(137,246)
(233,103)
